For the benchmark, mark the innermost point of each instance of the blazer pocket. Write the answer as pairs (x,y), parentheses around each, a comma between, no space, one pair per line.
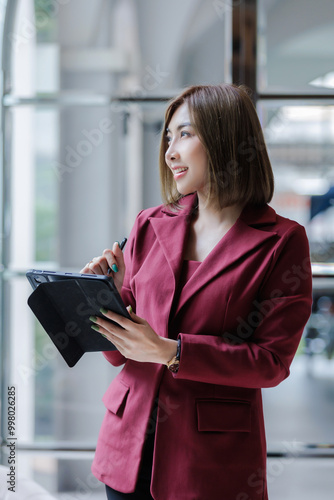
(115,397)
(220,415)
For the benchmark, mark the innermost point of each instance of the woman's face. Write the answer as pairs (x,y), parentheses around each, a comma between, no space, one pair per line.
(186,156)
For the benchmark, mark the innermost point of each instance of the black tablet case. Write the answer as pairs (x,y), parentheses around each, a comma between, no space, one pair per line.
(63,308)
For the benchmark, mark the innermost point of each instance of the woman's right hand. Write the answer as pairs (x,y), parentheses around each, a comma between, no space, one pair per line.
(112,260)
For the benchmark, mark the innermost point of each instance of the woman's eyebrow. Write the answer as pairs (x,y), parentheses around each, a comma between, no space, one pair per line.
(185,124)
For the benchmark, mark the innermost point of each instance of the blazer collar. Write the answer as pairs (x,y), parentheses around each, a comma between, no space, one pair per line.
(251,215)
(187,205)
(245,235)
(258,216)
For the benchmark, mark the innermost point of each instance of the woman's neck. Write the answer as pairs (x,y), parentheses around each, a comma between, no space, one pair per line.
(208,226)
(210,215)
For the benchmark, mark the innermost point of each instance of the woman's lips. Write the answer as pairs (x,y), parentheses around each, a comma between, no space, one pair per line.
(179,172)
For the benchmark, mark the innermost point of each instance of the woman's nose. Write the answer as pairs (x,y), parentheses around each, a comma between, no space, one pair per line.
(171,153)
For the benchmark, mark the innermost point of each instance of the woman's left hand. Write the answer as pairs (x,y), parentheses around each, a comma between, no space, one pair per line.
(136,339)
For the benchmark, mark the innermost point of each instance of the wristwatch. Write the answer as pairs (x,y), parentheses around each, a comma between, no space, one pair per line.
(173,364)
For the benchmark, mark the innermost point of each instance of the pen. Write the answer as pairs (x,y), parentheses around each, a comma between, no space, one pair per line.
(121,246)
(122,243)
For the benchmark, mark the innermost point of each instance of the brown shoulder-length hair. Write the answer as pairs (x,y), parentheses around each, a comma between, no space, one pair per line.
(227,124)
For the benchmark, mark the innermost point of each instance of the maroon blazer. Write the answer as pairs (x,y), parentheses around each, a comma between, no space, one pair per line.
(240,318)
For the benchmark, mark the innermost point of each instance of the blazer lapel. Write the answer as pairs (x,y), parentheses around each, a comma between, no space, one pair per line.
(241,239)
(171,235)
(244,236)
(172,232)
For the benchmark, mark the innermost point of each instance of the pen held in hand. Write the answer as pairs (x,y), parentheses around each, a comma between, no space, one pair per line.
(121,246)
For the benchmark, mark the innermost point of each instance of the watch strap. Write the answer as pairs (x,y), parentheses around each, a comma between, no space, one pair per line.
(173,364)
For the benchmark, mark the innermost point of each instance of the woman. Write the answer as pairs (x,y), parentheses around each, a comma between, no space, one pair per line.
(221,289)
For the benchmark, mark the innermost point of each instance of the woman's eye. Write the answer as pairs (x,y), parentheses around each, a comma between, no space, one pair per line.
(183,133)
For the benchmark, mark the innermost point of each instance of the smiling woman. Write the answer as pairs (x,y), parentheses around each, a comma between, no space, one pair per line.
(224,119)
(186,156)
(196,272)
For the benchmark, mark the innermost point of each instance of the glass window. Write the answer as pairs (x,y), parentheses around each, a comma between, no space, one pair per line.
(300,139)
(67,176)
(299,412)
(117,47)
(295,46)
(78,166)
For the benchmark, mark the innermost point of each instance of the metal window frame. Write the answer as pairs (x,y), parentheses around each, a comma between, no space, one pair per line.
(7,16)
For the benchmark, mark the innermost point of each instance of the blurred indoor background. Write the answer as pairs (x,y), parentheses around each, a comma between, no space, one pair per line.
(84,86)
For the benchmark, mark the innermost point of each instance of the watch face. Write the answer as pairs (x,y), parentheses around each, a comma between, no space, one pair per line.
(174,368)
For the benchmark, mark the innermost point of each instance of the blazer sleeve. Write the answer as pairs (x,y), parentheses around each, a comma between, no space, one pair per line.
(115,357)
(263,359)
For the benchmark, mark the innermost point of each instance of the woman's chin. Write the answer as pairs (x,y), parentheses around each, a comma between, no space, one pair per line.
(184,190)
